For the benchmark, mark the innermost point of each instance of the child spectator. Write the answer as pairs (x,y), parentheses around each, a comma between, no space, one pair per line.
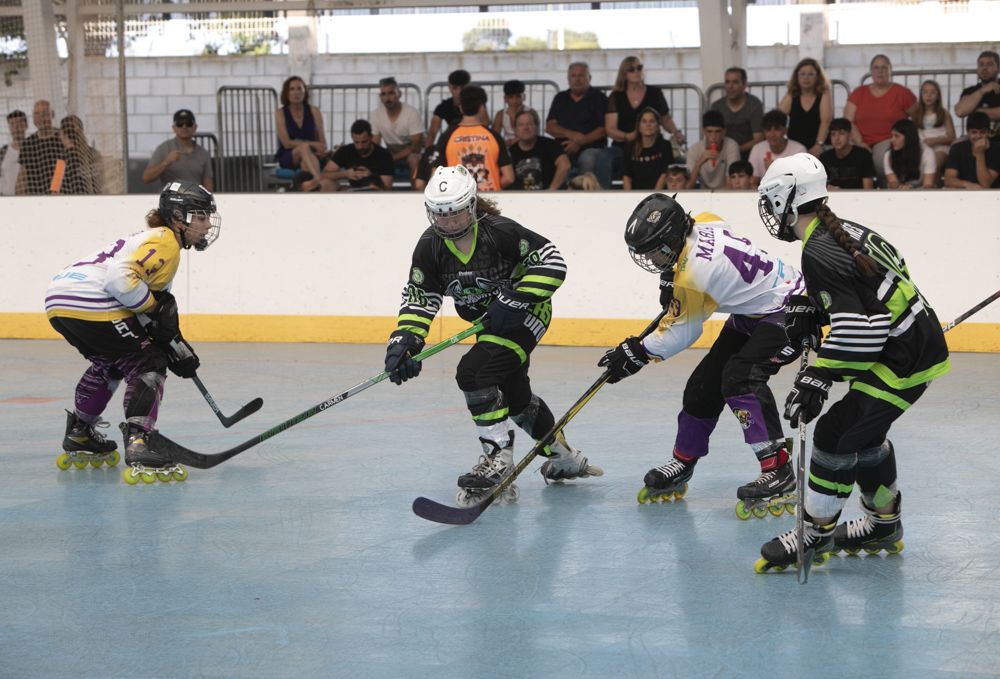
(740,176)
(847,166)
(775,145)
(648,156)
(975,162)
(872,109)
(301,140)
(677,177)
(808,105)
(513,104)
(908,163)
(473,144)
(709,159)
(933,122)
(449,111)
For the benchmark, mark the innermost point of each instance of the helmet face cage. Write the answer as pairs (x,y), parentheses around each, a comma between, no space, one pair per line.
(450,201)
(181,202)
(778,225)
(657,260)
(791,185)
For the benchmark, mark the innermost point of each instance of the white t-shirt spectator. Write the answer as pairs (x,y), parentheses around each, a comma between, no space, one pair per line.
(762,148)
(8,170)
(928,164)
(398,132)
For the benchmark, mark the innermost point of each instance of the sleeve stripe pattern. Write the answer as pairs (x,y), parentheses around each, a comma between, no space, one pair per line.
(543,279)
(858,334)
(417,318)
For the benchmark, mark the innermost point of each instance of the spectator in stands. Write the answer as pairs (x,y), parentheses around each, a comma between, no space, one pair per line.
(576,120)
(677,177)
(648,156)
(449,111)
(975,162)
(872,109)
(584,182)
(180,159)
(84,174)
(740,176)
(709,159)
(301,139)
(472,144)
(908,163)
(17,125)
(776,144)
(430,160)
(513,105)
(984,96)
(362,163)
(743,113)
(933,122)
(398,125)
(628,97)
(39,153)
(847,166)
(808,103)
(539,163)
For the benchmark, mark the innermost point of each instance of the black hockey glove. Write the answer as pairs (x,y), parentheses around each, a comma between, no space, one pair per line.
(625,359)
(164,325)
(805,400)
(802,321)
(399,363)
(507,311)
(181,359)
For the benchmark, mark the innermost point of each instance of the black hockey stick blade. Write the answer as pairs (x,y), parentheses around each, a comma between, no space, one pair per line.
(247,410)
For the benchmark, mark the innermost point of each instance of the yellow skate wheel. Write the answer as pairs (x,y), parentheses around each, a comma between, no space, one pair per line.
(64,462)
(896,547)
(678,494)
(790,508)
(180,474)
(759,512)
(164,476)
(80,464)
(760,565)
(742,513)
(776,510)
(851,551)
(114,458)
(96,462)
(643,496)
(819,559)
(147,477)
(130,476)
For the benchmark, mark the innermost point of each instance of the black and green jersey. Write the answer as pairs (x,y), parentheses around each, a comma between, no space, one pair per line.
(504,256)
(879,326)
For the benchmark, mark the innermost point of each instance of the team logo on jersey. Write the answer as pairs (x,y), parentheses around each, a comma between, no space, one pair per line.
(675,307)
(744,416)
(825,299)
(416,275)
(523,247)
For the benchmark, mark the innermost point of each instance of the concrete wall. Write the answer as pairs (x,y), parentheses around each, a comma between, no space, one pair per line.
(330,268)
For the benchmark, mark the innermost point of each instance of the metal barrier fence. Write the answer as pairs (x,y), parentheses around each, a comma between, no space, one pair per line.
(686,102)
(770,93)
(538,95)
(247,137)
(341,105)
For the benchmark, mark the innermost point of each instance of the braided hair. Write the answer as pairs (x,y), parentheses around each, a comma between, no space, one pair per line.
(486,206)
(864,264)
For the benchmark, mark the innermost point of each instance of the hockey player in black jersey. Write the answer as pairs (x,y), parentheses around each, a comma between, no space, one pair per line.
(488,264)
(885,342)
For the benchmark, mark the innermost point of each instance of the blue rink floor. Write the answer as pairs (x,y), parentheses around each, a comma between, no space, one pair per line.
(301,557)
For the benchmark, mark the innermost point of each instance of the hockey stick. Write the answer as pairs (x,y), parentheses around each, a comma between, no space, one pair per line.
(181,455)
(803,562)
(986,302)
(459,516)
(249,409)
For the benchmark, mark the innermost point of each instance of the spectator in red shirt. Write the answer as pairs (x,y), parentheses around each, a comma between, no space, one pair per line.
(872,109)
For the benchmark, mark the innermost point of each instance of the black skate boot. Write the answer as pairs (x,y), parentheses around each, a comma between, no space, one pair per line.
(143,462)
(567,463)
(780,552)
(494,465)
(83,444)
(666,481)
(773,491)
(872,532)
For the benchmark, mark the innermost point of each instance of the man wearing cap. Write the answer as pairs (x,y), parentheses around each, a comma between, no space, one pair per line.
(180,159)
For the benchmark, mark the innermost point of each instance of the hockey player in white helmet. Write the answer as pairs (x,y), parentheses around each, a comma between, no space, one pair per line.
(95,303)
(885,342)
(705,268)
(488,264)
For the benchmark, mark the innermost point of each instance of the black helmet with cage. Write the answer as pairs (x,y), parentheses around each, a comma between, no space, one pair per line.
(181,201)
(656,232)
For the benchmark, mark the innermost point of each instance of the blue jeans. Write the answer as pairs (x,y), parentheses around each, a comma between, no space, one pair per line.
(597,161)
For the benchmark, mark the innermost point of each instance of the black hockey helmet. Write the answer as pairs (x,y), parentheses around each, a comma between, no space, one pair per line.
(656,232)
(179,201)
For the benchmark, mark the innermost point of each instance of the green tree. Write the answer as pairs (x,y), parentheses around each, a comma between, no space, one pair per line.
(581,41)
(525,43)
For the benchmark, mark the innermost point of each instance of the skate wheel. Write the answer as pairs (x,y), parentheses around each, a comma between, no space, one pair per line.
(790,508)
(820,559)
(64,462)
(762,565)
(180,474)
(742,513)
(678,494)
(776,510)
(96,462)
(163,477)
(147,477)
(113,458)
(759,512)
(896,547)
(851,551)
(643,497)
(130,476)
(80,464)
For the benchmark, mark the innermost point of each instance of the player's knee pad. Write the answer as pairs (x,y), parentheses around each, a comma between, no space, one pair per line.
(488,401)
(143,395)
(735,379)
(467,372)
(833,462)
(872,457)
(536,418)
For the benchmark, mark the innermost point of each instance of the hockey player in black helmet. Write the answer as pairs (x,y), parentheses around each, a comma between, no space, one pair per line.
(96,304)
(705,268)
(486,263)
(885,340)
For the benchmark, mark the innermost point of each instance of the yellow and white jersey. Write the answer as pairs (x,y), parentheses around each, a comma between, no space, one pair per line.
(116,281)
(720,271)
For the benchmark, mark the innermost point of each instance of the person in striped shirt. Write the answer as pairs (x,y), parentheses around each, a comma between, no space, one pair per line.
(885,342)
(488,264)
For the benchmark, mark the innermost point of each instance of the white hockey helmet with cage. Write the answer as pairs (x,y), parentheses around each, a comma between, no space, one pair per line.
(450,199)
(791,186)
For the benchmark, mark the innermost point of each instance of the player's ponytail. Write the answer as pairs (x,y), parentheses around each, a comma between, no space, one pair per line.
(485,206)
(865,265)
(154,220)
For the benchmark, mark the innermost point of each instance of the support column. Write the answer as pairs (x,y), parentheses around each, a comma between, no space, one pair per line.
(43,58)
(722,26)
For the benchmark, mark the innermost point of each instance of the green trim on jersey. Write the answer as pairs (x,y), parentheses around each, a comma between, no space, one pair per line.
(880,394)
(462,257)
(504,342)
(421,332)
(839,488)
(896,382)
(809,231)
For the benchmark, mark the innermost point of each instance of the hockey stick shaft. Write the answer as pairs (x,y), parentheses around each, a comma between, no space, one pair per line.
(247,410)
(986,302)
(183,455)
(802,562)
(435,511)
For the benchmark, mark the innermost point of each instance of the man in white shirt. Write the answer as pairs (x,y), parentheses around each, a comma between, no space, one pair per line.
(17,123)
(400,126)
(775,145)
